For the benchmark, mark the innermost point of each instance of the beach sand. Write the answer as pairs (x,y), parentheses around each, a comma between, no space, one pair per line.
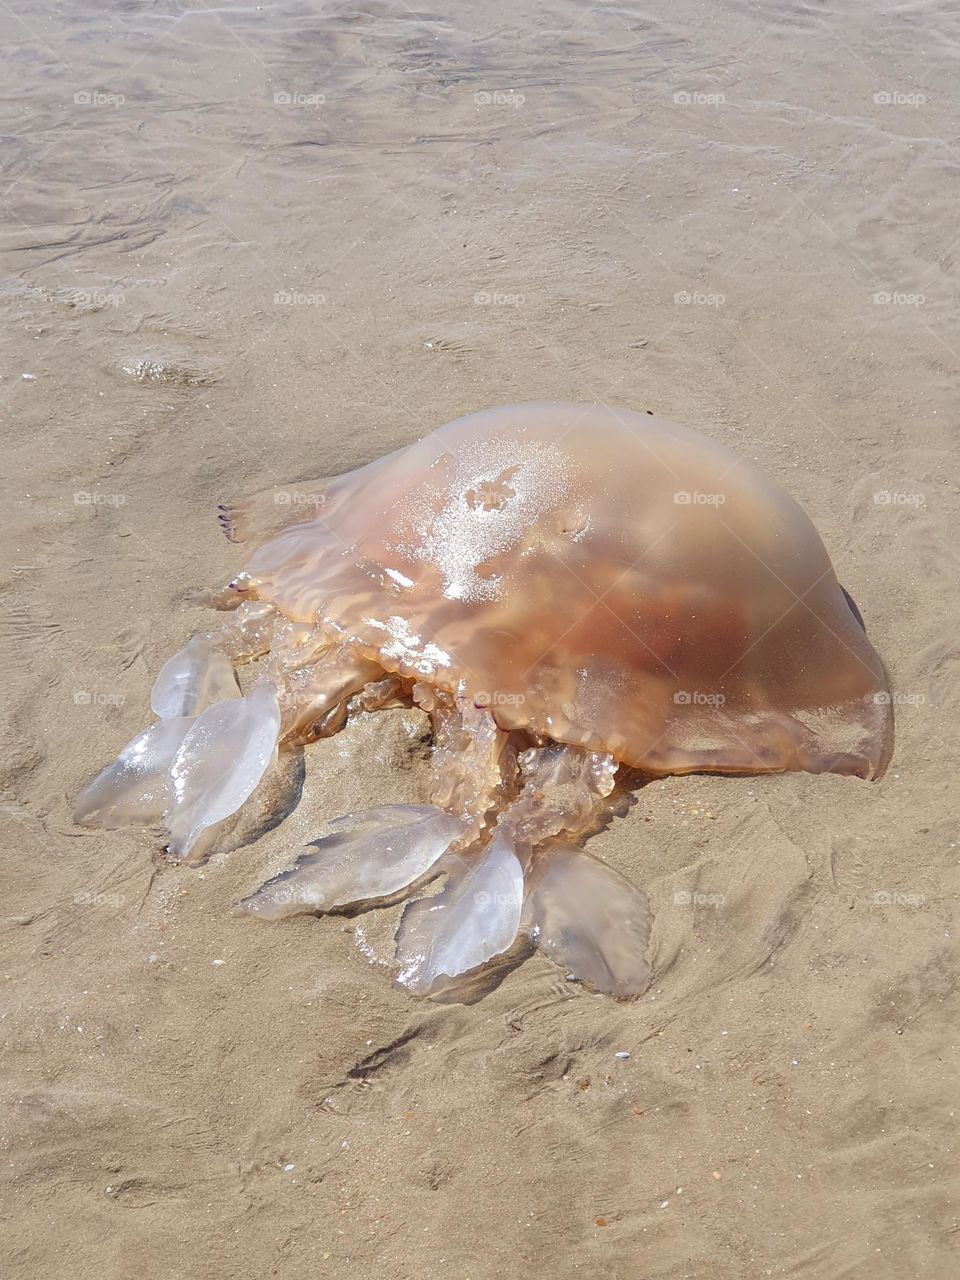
(253,244)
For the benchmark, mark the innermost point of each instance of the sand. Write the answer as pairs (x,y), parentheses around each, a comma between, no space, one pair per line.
(248,245)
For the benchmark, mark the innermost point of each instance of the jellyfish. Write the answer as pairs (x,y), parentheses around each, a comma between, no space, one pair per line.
(567,591)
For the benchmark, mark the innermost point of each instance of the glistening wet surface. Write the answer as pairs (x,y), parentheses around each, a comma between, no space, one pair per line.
(247,245)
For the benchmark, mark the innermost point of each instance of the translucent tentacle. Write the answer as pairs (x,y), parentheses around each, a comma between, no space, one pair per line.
(248,632)
(293,645)
(390,691)
(313,699)
(473,761)
(474,918)
(372,855)
(564,790)
(197,675)
(219,763)
(134,791)
(590,920)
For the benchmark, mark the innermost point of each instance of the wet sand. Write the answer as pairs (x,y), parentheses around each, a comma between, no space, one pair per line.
(248,245)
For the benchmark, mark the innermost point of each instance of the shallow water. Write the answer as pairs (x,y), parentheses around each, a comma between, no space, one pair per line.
(247,245)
